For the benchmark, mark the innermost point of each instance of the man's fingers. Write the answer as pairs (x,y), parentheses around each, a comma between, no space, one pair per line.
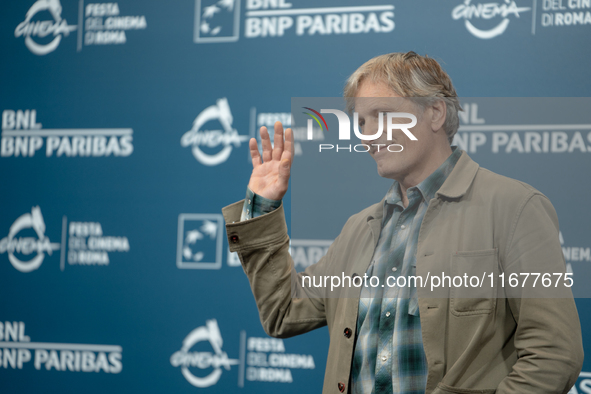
(278,141)
(254,152)
(266,142)
(284,172)
(288,151)
(286,159)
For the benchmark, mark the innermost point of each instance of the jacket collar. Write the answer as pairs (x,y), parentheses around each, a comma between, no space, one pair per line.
(460,179)
(376,211)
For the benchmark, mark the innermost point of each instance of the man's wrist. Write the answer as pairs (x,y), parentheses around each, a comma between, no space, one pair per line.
(255,205)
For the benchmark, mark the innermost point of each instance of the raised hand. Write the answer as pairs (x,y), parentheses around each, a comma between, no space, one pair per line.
(270,174)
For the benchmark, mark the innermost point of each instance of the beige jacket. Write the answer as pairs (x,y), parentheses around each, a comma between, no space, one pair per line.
(478,220)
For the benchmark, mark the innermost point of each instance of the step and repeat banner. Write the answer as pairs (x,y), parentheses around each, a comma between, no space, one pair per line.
(125,129)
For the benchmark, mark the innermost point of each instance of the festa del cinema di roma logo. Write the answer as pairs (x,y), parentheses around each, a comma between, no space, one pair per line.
(87,245)
(345,129)
(227,137)
(39,29)
(27,245)
(261,359)
(184,358)
(44,27)
(487,11)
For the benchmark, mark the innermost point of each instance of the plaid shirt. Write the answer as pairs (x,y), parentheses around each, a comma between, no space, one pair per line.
(389,355)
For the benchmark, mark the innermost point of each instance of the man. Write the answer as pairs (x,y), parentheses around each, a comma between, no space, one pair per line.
(442,214)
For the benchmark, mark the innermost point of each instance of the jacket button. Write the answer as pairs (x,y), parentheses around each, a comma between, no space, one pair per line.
(355,275)
(347,332)
(234,239)
(341,387)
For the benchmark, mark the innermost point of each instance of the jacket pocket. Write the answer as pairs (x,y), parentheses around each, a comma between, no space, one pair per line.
(476,294)
(445,389)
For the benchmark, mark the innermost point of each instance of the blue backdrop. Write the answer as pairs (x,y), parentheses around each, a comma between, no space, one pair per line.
(124,133)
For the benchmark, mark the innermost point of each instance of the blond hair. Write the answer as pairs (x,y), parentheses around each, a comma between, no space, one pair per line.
(417,77)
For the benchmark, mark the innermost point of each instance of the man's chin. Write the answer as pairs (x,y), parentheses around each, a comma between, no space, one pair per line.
(389,164)
(387,172)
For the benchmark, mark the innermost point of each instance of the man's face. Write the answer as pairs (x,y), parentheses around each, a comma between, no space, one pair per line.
(373,98)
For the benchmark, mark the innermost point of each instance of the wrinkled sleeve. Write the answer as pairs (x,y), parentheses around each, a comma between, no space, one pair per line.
(262,244)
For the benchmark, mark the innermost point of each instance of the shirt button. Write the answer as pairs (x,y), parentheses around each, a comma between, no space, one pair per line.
(249,202)
(394,269)
(347,332)
(248,211)
(403,227)
(234,239)
(387,314)
(384,358)
(341,387)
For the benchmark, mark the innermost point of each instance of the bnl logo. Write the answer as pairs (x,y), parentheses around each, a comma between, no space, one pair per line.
(216,21)
(199,243)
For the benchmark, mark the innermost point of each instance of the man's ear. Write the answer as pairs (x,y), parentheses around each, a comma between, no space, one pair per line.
(438,114)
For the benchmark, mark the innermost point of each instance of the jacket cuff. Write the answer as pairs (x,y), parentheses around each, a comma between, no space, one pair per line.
(253,233)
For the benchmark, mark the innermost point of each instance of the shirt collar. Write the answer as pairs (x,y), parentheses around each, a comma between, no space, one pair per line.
(430,185)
